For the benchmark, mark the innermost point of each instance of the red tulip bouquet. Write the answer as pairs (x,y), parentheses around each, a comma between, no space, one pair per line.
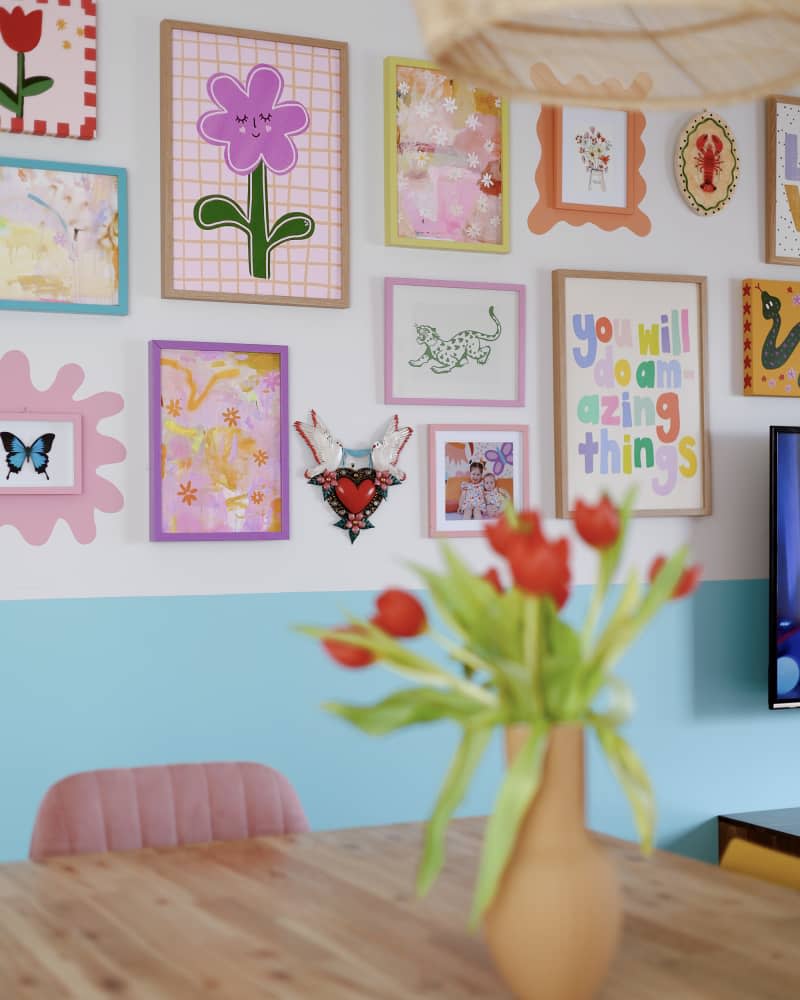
(516,660)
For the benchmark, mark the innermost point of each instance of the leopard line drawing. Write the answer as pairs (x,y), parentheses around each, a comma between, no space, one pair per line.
(456,351)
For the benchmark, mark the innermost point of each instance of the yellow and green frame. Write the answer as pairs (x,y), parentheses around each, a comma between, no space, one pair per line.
(393,237)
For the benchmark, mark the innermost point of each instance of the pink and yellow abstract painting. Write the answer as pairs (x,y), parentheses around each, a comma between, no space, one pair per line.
(219,441)
(445,161)
(63,237)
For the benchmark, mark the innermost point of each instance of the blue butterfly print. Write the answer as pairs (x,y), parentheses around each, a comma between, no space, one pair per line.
(17,453)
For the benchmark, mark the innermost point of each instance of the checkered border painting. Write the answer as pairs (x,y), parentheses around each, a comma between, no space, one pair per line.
(48,59)
(244,218)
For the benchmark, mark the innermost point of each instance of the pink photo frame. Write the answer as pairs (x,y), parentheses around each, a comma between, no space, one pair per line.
(487,360)
(480,441)
(8,420)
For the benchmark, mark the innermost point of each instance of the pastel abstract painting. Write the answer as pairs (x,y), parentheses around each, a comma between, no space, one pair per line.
(63,237)
(446,177)
(218,455)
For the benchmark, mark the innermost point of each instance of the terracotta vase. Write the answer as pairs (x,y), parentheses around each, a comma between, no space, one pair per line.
(554,924)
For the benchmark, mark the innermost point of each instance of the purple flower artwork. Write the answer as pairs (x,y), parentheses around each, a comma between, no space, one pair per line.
(252,123)
(255,128)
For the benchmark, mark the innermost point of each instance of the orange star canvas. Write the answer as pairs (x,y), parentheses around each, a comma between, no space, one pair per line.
(771,337)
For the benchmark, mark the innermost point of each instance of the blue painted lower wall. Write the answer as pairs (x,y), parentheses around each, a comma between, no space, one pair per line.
(123,682)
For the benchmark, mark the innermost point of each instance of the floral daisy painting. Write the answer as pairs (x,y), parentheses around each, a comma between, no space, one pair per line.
(446,148)
(63,237)
(254,172)
(218,457)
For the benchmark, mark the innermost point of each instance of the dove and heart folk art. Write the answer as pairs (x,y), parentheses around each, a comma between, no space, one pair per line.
(354,482)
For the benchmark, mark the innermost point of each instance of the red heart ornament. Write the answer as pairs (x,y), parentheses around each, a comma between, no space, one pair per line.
(355,497)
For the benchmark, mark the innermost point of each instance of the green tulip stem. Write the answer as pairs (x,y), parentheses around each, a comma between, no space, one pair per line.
(20,83)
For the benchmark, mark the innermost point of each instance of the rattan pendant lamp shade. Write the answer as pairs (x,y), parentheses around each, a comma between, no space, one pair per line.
(695,54)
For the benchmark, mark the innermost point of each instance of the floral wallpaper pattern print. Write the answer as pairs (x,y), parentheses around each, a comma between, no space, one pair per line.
(218,452)
(254,171)
(48,81)
(445,161)
(63,237)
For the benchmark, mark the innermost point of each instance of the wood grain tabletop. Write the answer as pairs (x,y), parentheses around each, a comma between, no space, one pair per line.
(333,915)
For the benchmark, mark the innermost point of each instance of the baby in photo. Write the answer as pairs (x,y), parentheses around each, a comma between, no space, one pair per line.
(472,503)
(494,498)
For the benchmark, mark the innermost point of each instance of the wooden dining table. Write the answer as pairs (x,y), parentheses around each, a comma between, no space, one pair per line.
(333,916)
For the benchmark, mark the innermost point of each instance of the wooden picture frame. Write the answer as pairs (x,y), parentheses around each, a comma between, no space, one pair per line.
(502,452)
(260,215)
(551,207)
(630,133)
(422,315)
(468,183)
(610,336)
(71,220)
(219,438)
(783,199)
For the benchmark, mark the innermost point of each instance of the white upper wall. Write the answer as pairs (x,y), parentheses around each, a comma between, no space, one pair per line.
(336,356)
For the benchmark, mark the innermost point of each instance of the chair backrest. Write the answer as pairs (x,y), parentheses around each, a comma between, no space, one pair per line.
(761,862)
(128,808)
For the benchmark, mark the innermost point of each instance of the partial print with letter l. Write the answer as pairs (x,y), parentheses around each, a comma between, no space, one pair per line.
(783,180)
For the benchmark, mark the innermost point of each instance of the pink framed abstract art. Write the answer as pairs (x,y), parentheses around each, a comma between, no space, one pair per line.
(474,471)
(454,343)
(254,166)
(48,76)
(218,441)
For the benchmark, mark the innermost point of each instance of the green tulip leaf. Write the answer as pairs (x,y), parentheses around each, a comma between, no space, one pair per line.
(407,708)
(516,794)
(8,99)
(473,744)
(291,226)
(635,783)
(35,85)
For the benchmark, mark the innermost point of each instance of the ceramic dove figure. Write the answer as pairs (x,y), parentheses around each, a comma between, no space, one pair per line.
(325,448)
(386,452)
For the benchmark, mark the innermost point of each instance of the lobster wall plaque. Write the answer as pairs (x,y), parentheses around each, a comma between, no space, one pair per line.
(354,482)
(707,164)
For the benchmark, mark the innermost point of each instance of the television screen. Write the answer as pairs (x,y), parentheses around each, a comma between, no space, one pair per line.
(784,624)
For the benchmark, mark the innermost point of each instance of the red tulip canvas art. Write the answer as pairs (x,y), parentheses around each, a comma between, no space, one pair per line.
(48,81)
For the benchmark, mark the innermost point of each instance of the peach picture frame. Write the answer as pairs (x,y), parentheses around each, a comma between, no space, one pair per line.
(549,209)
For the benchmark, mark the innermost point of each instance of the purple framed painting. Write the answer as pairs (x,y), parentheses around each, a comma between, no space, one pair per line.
(454,343)
(219,419)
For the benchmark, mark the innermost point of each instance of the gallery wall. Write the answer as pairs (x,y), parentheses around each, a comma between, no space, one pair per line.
(126,652)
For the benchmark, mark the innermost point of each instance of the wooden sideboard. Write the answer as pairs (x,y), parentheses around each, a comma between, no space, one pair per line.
(775,828)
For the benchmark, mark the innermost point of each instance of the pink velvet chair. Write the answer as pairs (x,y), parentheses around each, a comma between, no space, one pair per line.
(124,809)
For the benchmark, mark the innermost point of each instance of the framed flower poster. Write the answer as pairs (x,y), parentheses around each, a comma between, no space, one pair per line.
(218,442)
(48,76)
(783,180)
(63,237)
(630,390)
(475,470)
(590,161)
(254,166)
(454,343)
(446,161)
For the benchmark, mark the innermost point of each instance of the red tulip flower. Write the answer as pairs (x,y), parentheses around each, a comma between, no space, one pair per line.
(353,657)
(400,614)
(598,526)
(689,578)
(493,577)
(541,567)
(20,31)
(501,533)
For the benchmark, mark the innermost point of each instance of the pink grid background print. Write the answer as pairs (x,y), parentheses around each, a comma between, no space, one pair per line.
(216,261)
